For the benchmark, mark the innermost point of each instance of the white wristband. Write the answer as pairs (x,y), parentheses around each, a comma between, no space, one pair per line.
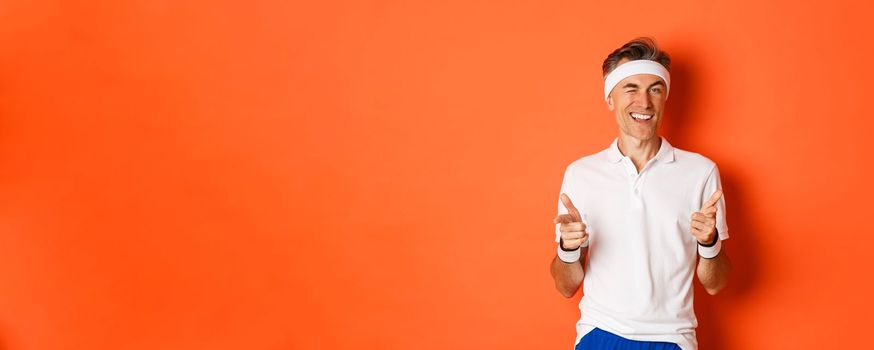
(710,252)
(568,256)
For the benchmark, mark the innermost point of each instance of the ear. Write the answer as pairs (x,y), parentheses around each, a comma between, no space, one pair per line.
(610,102)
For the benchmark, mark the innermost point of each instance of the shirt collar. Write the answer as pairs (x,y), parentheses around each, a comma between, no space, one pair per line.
(666,152)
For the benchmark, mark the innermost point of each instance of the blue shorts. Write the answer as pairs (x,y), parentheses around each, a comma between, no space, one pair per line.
(599,339)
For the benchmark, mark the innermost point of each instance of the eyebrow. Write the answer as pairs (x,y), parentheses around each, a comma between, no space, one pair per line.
(660,82)
(635,86)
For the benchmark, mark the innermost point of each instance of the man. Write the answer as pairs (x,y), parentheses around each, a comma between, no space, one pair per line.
(635,218)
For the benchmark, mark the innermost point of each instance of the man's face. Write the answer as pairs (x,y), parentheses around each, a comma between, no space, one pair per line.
(637,102)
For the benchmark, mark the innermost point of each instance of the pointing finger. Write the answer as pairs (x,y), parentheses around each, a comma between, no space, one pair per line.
(571,209)
(713,199)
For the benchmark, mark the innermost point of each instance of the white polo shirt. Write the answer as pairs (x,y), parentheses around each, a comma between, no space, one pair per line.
(642,254)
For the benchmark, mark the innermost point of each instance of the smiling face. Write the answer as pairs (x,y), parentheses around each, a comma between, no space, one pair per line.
(637,102)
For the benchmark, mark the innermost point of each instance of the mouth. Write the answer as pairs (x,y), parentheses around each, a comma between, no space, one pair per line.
(641,117)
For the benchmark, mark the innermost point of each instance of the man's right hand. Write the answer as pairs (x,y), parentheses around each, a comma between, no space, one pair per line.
(573,230)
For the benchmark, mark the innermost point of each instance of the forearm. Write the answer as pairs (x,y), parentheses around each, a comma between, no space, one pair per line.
(713,273)
(568,276)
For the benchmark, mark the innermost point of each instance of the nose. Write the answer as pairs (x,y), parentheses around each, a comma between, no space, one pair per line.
(643,100)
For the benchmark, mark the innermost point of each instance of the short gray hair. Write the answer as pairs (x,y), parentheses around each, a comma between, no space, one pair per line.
(642,48)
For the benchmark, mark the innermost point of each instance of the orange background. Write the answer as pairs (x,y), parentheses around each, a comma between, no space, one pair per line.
(383,174)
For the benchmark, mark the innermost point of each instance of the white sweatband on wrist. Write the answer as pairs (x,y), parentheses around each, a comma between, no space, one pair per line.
(568,256)
(712,251)
(635,67)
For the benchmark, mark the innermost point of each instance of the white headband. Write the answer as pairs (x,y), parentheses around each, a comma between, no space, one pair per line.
(630,68)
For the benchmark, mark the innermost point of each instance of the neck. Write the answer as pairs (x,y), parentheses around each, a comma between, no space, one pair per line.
(640,151)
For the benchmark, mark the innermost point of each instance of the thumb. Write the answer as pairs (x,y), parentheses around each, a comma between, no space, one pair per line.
(571,209)
(713,199)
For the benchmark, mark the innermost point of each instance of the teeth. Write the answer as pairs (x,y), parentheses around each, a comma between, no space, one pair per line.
(641,116)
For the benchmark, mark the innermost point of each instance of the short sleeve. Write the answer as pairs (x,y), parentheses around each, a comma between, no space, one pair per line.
(712,184)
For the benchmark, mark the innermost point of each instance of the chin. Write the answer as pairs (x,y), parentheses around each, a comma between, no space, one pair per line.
(645,136)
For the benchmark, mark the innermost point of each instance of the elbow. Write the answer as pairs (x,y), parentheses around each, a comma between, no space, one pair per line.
(713,291)
(567,289)
(567,293)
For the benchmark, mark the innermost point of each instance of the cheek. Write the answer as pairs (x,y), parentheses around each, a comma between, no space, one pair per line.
(620,117)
